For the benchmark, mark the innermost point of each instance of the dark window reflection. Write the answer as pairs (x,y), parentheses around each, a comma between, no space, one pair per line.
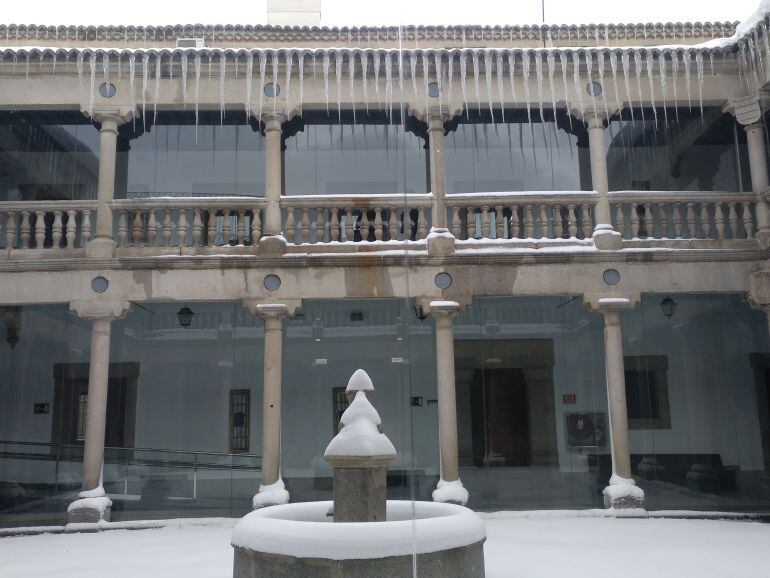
(681,152)
(371,155)
(48,155)
(174,157)
(516,155)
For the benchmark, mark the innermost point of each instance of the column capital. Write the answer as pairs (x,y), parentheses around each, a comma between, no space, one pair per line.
(439,308)
(272,310)
(273,120)
(746,110)
(434,113)
(610,303)
(98,309)
(111,117)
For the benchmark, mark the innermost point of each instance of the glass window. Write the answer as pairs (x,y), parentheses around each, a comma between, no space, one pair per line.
(680,151)
(48,155)
(173,156)
(516,155)
(369,156)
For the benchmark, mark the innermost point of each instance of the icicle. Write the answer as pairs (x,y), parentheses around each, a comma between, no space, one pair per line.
(488,76)
(301,70)
(450,76)
(26,63)
(249,73)
(197,90)
(262,73)
(699,70)
(663,85)
(463,72)
(539,74)
(413,71)
(600,66)
(325,67)
(376,56)
(638,71)
(79,66)
(158,60)
(105,65)
(674,78)
(686,61)
(650,62)
(500,72)
(131,73)
(389,84)
(614,69)
(184,80)
(274,70)
(352,75)
(589,73)
(92,86)
(145,77)
(425,77)
(475,63)
(512,75)
(222,73)
(289,64)
(578,83)
(551,58)
(364,59)
(437,66)
(564,65)
(338,74)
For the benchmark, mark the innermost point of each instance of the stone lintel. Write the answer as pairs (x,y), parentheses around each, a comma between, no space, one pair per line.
(95,309)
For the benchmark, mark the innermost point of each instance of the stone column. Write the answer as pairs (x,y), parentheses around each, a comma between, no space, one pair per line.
(755,135)
(605,237)
(93,505)
(102,245)
(450,488)
(271,490)
(272,240)
(621,491)
(440,241)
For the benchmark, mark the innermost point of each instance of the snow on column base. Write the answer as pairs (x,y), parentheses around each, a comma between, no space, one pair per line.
(89,510)
(272,245)
(623,493)
(440,241)
(450,492)
(606,238)
(271,495)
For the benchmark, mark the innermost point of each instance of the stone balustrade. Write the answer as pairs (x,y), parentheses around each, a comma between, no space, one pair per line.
(63,225)
(525,215)
(355,218)
(662,215)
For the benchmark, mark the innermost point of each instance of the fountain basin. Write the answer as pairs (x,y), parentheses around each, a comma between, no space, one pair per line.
(302,540)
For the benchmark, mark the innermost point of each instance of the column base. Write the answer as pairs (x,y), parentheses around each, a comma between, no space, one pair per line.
(272,245)
(440,242)
(272,495)
(451,493)
(101,248)
(89,510)
(606,238)
(623,493)
(763,238)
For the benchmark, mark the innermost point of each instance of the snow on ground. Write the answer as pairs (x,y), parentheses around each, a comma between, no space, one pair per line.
(517,546)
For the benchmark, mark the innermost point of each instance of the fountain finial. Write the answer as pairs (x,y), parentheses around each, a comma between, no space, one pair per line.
(359,381)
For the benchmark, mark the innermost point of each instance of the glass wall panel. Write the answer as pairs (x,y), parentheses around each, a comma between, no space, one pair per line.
(516,155)
(677,150)
(697,388)
(172,156)
(47,155)
(531,403)
(366,155)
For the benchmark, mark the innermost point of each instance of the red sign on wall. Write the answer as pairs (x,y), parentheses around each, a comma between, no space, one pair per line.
(568,398)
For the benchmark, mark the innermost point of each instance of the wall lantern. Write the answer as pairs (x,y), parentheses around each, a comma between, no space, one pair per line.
(185,316)
(668,306)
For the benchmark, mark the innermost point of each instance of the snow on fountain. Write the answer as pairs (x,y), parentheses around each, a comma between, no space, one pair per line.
(359,533)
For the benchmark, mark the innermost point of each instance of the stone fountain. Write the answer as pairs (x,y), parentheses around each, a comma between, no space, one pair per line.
(360,533)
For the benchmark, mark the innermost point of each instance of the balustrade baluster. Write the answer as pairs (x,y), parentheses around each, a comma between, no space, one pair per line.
(25,230)
(705,221)
(748,226)
(256,226)
(241,225)
(571,221)
(647,223)
(56,230)
(733,217)
(635,220)
(10,230)
(227,226)
(485,222)
(39,229)
(197,228)
(211,229)
(663,221)
(585,220)
(392,224)
(620,220)
(136,229)
(291,229)
(153,232)
(167,228)
(558,222)
(378,224)
(335,225)
(422,223)
(85,227)
(719,220)
(470,223)
(320,225)
(363,228)
(456,223)
(542,221)
(304,223)
(499,222)
(677,215)
(349,225)
(181,229)
(72,229)
(122,228)
(514,224)
(692,231)
(529,222)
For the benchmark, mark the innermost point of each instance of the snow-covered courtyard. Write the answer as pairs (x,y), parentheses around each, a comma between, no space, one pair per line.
(531,545)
